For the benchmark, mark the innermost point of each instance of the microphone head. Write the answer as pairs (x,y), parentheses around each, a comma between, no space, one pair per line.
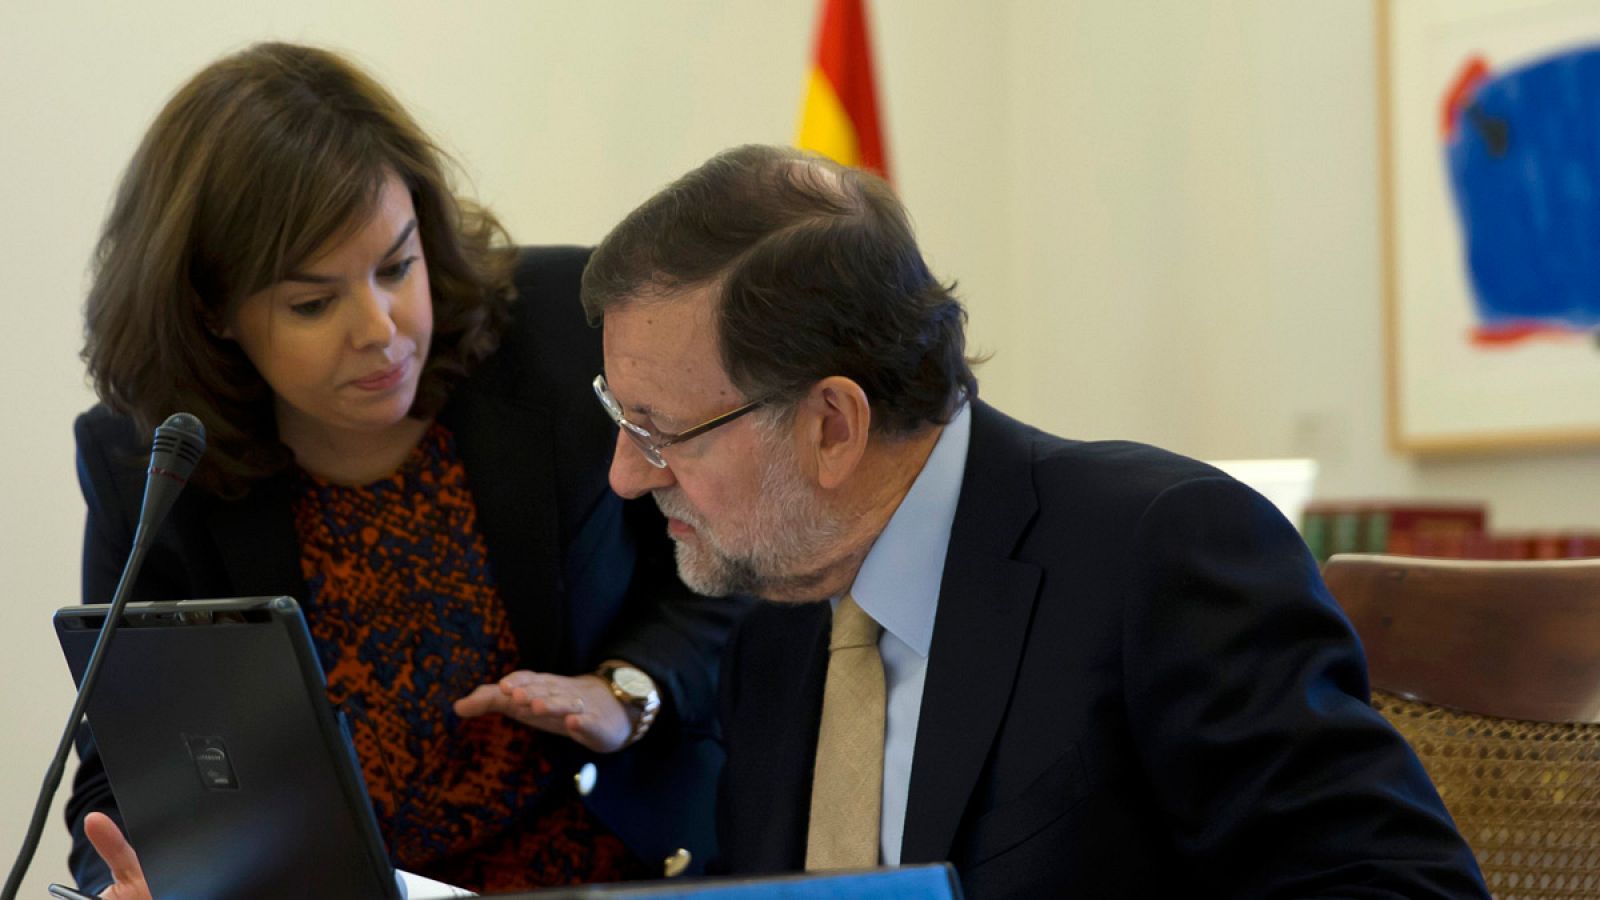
(176,449)
(178,445)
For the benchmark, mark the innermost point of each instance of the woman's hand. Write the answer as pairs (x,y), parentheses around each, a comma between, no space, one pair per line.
(581,708)
(126,873)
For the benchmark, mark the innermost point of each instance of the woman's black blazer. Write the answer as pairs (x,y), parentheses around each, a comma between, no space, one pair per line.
(584,575)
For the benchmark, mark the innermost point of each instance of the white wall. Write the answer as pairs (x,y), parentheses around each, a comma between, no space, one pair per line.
(1164,216)
(1194,200)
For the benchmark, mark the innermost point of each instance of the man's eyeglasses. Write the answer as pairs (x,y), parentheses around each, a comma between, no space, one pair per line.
(650,443)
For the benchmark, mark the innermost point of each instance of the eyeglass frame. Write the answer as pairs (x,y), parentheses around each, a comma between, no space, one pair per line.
(651,444)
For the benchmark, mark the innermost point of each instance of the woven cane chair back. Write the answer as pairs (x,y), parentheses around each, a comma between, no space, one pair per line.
(1492,672)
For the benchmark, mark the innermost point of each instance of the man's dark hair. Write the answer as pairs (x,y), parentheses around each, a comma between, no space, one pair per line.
(817,273)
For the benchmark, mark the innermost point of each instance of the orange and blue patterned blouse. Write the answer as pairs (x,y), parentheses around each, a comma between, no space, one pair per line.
(406,619)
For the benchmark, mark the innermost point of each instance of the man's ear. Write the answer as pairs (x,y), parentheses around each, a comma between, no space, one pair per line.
(838,422)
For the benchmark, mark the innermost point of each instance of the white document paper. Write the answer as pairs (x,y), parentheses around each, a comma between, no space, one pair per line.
(415,887)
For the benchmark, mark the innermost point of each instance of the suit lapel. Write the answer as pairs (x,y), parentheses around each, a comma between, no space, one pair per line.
(986,600)
(775,738)
(506,450)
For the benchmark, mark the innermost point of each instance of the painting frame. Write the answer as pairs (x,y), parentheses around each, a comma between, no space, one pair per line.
(1442,395)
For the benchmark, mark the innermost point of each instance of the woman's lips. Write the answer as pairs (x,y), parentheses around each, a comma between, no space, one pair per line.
(388,378)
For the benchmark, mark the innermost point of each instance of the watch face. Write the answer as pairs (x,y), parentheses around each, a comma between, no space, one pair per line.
(632,681)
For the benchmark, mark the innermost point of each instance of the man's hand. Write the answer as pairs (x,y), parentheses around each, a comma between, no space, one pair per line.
(581,708)
(128,876)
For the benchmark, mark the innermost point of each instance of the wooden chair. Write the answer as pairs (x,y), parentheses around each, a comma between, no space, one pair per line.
(1492,671)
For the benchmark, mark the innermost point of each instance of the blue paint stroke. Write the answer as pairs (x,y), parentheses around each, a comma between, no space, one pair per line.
(1523,152)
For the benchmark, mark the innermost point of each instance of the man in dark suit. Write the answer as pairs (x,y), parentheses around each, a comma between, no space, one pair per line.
(1069,668)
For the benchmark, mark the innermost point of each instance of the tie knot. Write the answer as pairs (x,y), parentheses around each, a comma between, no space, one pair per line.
(852,627)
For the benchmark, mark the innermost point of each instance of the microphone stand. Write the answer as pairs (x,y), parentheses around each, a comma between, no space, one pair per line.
(58,763)
(177,446)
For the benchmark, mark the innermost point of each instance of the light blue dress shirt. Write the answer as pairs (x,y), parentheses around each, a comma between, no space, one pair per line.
(898,586)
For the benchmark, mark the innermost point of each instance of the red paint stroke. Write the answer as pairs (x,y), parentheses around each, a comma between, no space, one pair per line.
(1473,73)
(1492,337)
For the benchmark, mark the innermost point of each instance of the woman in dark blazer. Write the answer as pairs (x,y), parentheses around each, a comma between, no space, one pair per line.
(401,438)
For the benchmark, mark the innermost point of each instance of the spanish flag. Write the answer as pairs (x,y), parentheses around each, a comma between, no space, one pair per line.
(840,115)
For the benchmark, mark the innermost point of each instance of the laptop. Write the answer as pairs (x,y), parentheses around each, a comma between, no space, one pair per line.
(233,775)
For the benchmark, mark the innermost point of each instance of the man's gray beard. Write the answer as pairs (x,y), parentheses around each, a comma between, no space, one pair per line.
(791,539)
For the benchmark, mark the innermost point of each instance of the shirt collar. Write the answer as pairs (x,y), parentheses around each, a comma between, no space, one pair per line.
(898,585)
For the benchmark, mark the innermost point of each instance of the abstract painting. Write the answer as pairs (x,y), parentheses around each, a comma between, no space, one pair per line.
(1490,143)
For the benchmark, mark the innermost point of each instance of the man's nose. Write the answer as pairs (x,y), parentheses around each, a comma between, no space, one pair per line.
(631,474)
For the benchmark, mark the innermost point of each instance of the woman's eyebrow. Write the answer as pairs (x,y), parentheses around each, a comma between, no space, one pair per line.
(306,278)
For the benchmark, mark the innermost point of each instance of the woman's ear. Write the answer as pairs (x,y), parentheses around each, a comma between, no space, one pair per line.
(840,423)
(217,325)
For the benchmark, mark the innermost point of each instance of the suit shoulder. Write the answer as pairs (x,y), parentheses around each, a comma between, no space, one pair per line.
(1108,469)
(1127,468)
(548,349)
(1113,483)
(1115,494)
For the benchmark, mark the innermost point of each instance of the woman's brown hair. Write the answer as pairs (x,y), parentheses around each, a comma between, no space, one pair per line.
(255,164)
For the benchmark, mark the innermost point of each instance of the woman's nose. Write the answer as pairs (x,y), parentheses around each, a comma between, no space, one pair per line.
(374,319)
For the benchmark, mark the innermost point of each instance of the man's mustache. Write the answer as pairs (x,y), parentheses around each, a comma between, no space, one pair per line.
(673,507)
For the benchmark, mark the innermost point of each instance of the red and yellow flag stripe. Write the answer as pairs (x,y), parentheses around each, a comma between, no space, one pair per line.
(839,118)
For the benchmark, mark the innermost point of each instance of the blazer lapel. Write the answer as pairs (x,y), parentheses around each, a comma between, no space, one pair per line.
(986,600)
(506,449)
(256,541)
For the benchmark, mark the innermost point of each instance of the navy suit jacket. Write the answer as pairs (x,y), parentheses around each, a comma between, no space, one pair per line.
(584,576)
(1138,686)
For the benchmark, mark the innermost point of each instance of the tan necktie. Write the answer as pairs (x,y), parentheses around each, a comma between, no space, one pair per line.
(847,788)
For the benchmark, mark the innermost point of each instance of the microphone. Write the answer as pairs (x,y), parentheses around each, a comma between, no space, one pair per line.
(178,445)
